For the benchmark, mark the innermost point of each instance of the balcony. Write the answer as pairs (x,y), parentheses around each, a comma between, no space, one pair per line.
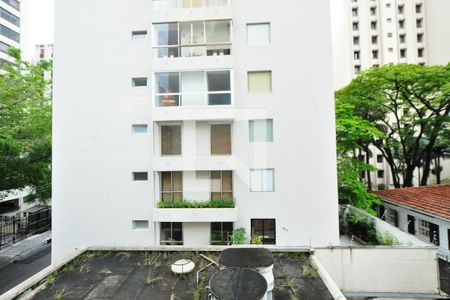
(194,163)
(196,211)
(188,4)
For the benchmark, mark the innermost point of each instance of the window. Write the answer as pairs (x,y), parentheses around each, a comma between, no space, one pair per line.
(389,34)
(401,9)
(261,131)
(13,3)
(373,11)
(140,224)
(171,140)
(389,20)
(373,25)
(448,238)
(193,88)
(356,40)
(357,69)
(265,229)
(419,8)
(9,33)
(139,35)
(380,174)
(258,34)
(403,53)
(355,26)
(411,225)
(171,234)
(220,139)
(262,180)
(221,185)
(392,217)
(11,18)
(221,233)
(355,12)
(260,82)
(356,55)
(379,158)
(388,5)
(374,39)
(401,24)
(171,186)
(192,39)
(420,38)
(4,47)
(140,176)
(402,38)
(429,231)
(390,49)
(139,128)
(419,23)
(139,82)
(375,54)
(420,52)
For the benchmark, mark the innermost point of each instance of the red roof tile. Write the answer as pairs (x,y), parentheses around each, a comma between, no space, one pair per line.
(434,199)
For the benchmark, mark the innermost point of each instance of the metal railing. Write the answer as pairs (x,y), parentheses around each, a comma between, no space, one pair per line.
(14,229)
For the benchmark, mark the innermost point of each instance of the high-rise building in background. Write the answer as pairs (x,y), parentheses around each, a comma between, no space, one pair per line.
(9,28)
(370,33)
(193,101)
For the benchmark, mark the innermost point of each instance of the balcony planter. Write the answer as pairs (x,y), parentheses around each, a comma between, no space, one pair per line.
(196,212)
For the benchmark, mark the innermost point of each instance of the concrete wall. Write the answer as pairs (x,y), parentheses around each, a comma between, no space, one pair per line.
(438,24)
(379,269)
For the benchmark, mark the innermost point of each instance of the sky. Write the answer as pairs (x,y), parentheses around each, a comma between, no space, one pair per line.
(37,25)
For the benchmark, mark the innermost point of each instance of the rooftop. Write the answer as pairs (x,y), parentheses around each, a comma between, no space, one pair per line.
(434,200)
(147,275)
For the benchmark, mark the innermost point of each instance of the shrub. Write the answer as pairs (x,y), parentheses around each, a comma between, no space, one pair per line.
(225,203)
(256,240)
(238,236)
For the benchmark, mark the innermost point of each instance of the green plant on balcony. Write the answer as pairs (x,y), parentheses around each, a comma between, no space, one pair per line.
(225,203)
(238,237)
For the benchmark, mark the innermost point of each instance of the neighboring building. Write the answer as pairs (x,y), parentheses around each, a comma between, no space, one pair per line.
(193,100)
(420,211)
(43,52)
(370,33)
(9,28)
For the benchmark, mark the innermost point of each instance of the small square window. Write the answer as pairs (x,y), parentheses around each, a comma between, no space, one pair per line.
(389,34)
(261,131)
(140,176)
(140,224)
(139,82)
(262,180)
(391,50)
(139,35)
(140,128)
(379,158)
(258,34)
(260,82)
(380,174)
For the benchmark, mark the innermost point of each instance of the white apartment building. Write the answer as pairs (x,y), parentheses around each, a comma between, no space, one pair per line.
(9,28)
(43,52)
(368,33)
(193,100)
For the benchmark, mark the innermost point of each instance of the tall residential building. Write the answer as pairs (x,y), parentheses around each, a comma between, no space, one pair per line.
(43,52)
(9,28)
(368,33)
(191,101)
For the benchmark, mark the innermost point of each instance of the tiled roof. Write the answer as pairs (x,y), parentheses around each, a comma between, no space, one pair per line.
(434,199)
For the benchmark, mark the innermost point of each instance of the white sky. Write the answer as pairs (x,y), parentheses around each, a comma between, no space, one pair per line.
(37,25)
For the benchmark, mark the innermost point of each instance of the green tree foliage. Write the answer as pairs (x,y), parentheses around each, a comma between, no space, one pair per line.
(410,104)
(352,133)
(25,126)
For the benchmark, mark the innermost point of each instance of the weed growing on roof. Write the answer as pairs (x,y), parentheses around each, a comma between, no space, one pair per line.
(105,271)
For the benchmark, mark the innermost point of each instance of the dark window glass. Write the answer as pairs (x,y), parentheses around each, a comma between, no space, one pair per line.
(4,47)
(140,176)
(137,82)
(171,234)
(171,140)
(219,99)
(219,81)
(171,186)
(167,83)
(264,228)
(9,33)
(221,233)
(13,3)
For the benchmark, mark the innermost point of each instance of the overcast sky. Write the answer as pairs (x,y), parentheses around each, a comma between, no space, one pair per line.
(37,25)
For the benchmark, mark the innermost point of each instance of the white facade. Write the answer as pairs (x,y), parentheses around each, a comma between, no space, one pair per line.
(96,103)
(369,33)
(9,28)
(43,52)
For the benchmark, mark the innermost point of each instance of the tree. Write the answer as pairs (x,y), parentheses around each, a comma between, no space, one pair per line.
(411,105)
(352,133)
(25,126)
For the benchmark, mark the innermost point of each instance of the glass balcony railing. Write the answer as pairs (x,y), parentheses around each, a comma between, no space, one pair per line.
(179,4)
